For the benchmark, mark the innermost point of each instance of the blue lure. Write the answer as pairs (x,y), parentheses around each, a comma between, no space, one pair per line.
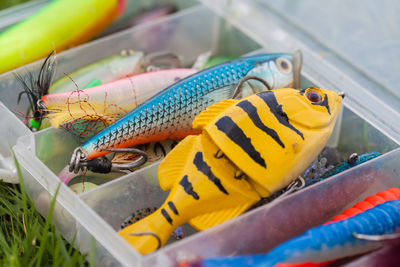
(335,240)
(322,172)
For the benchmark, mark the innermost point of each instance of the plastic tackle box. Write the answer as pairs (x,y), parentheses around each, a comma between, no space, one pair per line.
(133,9)
(14,14)
(225,29)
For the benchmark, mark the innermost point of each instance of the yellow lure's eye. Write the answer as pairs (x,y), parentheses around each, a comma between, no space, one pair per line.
(284,65)
(314,96)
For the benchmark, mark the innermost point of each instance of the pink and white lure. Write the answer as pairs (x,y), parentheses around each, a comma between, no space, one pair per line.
(108,102)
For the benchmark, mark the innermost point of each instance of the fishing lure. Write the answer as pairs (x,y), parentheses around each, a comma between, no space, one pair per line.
(109,69)
(248,149)
(324,162)
(169,114)
(115,67)
(327,160)
(319,172)
(368,203)
(376,215)
(35,37)
(142,213)
(108,102)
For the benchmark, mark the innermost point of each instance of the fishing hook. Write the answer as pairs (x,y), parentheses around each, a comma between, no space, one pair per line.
(79,161)
(294,186)
(149,233)
(245,79)
(377,237)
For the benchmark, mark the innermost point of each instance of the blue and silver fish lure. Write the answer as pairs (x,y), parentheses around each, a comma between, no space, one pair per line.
(169,114)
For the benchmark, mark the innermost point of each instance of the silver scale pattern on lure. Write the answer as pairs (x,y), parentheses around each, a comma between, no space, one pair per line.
(180,102)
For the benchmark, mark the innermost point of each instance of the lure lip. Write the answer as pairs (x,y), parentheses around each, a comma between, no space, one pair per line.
(297,62)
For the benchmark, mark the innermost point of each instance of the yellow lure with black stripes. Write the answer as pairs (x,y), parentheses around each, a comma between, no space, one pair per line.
(248,149)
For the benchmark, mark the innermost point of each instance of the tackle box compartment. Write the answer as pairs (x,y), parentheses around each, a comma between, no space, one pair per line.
(91,218)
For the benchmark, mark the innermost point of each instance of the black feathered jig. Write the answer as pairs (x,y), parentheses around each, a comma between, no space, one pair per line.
(36,86)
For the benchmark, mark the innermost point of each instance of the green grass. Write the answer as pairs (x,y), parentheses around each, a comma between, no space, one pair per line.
(28,239)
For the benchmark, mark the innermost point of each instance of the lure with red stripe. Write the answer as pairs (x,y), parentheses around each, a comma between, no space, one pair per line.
(368,203)
(370,210)
(110,101)
(325,242)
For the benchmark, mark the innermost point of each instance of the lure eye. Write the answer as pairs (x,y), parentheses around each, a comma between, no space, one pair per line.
(314,96)
(284,65)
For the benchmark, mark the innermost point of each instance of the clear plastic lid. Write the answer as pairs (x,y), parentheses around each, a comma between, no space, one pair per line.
(348,47)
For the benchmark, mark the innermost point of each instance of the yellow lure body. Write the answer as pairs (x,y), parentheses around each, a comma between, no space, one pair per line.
(59,25)
(248,149)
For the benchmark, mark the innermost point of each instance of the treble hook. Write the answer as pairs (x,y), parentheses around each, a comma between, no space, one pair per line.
(245,79)
(79,161)
(377,238)
(294,186)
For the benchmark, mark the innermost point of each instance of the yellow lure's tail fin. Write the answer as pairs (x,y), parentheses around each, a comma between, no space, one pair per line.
(208,220)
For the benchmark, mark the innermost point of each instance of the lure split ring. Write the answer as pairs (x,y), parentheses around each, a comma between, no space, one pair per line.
(78,156)
(80,162)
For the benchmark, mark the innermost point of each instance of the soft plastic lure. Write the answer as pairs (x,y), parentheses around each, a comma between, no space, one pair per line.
(368,203)
(352,161)
(248,149)
(59,25)
(108,102)
(319,171)
(169,114)
(376,215)
(109,69)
